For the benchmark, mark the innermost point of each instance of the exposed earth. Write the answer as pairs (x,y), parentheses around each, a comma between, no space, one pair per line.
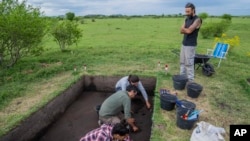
(72,114)
(81,118)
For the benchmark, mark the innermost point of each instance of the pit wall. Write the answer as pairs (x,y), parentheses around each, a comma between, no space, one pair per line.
(107,83)
(35,125)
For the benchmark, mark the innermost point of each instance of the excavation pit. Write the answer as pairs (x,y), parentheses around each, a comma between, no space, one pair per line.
(71,115)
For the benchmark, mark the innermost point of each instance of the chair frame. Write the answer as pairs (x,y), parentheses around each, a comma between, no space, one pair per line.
(221,54)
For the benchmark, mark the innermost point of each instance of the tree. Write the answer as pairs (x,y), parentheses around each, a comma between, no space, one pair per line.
(66,33)
(203,15)
(70,16)
(21,30)
(227,17)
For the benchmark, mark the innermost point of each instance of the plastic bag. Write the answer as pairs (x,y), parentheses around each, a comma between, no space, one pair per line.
(207,132)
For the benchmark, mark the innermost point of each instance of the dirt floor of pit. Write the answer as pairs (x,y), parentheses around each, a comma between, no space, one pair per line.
(81,118)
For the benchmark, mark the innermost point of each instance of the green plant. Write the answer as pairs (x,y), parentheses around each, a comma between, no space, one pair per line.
(134,48)
(203,15)
(227,17)
(214,29)
(22,30)
(70,16)
(66,33)
(232,41)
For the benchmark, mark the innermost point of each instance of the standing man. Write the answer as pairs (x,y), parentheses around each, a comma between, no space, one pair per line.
(113,106)
(190,29)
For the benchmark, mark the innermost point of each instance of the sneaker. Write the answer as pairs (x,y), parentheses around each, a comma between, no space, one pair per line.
(100,122)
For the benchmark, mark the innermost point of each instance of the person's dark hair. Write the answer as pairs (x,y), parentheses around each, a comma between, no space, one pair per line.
(190,5)
(133,78)
(120,128)
(131,88)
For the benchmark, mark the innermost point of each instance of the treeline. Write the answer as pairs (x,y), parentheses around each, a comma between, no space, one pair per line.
(100,16)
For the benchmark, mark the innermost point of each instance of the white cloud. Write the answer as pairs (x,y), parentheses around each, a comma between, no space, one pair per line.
(139,7)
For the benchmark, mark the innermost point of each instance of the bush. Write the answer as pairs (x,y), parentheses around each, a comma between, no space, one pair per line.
(232,41)
(70,16)
(22,31)
(214,29)
(248,54)
(226,17)
(203,16)
(82,21)
(66,33)
(206,31)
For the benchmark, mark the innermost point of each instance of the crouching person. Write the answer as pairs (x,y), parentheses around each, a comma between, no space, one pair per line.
(116,103)
(108,132)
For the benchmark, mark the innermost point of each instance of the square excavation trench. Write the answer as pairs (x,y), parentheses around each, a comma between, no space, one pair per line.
(71,115)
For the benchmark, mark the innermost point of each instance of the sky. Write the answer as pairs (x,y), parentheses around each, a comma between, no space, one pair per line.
(140,7)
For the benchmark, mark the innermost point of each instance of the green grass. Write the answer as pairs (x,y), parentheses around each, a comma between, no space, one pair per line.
(135,46)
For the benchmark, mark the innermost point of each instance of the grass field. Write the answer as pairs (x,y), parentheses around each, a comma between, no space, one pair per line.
(132,46)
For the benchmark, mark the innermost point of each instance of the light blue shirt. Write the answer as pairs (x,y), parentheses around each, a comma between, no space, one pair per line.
(123,83)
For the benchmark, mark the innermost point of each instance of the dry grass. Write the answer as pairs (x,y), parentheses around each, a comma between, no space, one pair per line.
(217,110)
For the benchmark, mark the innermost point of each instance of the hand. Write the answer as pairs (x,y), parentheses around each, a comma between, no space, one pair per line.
(135,129)
(148,105)
(131,121)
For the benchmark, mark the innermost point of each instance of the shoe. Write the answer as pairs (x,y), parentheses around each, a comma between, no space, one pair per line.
(100,122)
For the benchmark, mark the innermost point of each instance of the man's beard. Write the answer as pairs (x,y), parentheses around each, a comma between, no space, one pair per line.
(190,16)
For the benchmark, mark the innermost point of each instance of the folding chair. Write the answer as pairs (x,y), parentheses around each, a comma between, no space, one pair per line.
(220,51)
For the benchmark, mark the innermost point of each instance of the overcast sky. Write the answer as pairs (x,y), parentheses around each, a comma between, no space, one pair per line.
(140,7)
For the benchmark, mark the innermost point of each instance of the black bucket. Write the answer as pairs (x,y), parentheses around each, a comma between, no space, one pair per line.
(179,82)
(187,107)
(167,101)
(185,124)
(194,89)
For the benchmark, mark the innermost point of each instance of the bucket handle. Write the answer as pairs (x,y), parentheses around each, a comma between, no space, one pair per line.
(196,90)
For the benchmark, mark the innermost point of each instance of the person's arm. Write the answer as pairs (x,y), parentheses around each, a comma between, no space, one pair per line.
(127,114)
(182,27)
(131,122)
(123,83)
(144,94)
(191,28)
(126,108)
